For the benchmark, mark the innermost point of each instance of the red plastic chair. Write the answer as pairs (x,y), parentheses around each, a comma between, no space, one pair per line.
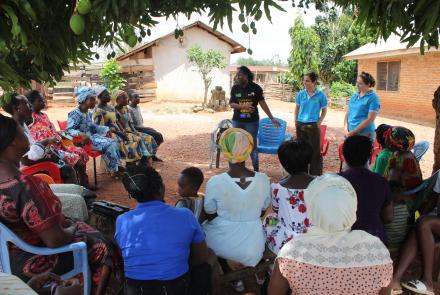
(377,148)
(341,156)
(88,148)
(62,125)
(44,167)
(325,142)
(44,177)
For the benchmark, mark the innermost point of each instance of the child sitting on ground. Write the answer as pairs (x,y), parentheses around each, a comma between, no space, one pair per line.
(189,183)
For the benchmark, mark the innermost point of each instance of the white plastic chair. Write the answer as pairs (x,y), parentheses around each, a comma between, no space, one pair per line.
(79,249)
(215,136)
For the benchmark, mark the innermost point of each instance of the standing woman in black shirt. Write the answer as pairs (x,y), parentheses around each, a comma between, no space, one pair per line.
(245,97)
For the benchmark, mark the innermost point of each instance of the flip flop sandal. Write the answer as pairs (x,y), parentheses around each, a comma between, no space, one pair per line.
(417,287)
(259,281)
(396,292)
(238,286)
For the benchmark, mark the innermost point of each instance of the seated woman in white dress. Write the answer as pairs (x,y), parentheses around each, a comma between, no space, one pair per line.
(234,203)
(289,217)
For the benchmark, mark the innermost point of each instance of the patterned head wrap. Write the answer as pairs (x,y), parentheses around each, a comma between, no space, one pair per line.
(83,93)
(236,145)
(117,92)
(99,89)
(400,139)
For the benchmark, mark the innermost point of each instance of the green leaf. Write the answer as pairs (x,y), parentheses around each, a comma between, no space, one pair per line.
(16,29)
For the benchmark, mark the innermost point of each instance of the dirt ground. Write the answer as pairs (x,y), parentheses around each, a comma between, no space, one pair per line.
(187,137)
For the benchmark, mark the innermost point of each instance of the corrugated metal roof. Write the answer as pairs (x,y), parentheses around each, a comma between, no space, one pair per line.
(391,47)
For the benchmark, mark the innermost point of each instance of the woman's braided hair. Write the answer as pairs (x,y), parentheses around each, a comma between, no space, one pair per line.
(143,183)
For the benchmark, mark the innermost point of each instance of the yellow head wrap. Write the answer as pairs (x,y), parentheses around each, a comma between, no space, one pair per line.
(236,145)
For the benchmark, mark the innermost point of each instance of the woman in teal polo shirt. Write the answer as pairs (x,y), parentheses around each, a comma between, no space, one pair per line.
(363,108)
(310,111)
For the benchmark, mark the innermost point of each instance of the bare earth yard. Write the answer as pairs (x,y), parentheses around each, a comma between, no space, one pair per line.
(187,142)
(187,138)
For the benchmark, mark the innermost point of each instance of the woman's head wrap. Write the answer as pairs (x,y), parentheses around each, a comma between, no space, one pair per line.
(117,92)
(236,145)
(331,203)
(83,93)
(99,89)
(400,139)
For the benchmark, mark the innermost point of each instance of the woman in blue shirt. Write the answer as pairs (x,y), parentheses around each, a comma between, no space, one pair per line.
(363,108)
(310,111)
(158,242)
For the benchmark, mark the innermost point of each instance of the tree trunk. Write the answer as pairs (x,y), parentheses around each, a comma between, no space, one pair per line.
(205,98)
(436,106)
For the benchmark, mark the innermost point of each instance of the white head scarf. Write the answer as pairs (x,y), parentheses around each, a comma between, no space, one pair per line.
(331,206)
(99,89)
(332,203)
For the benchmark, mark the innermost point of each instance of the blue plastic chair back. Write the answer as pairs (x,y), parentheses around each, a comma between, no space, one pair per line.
(420,149)
(270,137)
(79,250)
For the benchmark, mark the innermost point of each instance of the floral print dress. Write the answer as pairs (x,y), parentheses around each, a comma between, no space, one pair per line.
(28,207)
(42,128)
(289,218)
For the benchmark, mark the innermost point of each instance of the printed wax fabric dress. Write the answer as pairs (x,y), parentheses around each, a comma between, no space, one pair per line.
(42,128)
(28,208)
(79,122)
(148,141)
(130,150)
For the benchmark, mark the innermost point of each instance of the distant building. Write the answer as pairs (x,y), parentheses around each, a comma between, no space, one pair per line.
(160,68)
(263,74)
(405,79)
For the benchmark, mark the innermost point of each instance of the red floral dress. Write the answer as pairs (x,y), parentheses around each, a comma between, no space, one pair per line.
(289,218)
(28,207)
(43,128)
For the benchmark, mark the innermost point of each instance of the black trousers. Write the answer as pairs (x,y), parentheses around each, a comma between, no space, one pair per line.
(311,133)
(196,282)
(156,135)
(179,286)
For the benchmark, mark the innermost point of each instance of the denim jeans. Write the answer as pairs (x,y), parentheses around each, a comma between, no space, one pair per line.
(252,128)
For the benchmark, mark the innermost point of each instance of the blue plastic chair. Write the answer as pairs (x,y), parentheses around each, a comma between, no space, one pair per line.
(271,137)
(79,250)
(420,149)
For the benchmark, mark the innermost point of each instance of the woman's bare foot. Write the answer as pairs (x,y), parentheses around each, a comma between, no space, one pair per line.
(395,285)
